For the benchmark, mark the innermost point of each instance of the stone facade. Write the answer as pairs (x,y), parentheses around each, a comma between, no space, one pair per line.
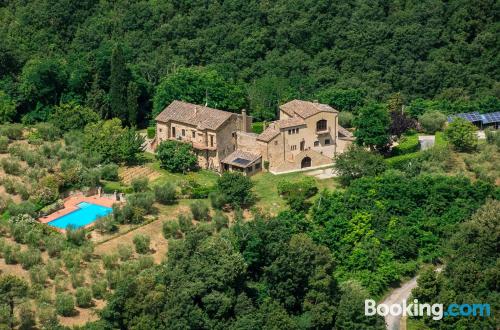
(306,135)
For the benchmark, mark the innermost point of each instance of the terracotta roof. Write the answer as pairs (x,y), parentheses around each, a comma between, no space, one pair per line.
(241,158)
(344,132)
(191,114)
(268,134)
(290,122)
(305,109)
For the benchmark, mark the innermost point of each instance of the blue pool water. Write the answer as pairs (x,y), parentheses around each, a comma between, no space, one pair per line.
(86,213)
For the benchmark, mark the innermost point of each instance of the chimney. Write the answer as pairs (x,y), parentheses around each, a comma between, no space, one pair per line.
(195,110)
(244,120)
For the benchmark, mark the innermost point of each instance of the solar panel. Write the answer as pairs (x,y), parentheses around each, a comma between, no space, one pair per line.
(241,161)
(469,116)
(489,118)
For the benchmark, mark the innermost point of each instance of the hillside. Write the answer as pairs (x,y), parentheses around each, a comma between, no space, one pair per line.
(342,52)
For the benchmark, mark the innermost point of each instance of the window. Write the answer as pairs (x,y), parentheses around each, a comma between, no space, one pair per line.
(211,140)
(161,130)
(302,145)
(257,166)
(316,143)
(321,125)
(173,131)
(183,132)
(194,134)
(294,147)
(289,131)
(296,131)
(327,141)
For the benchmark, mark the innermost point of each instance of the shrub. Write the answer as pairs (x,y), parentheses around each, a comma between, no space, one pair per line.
(151,132)
(140,184)
(22,208)
(47,317)
(200,211)
(75,236)
(11,166)
(306,186)
(110,261)
(77,278)
(357,162)
(12,131)
(60,283)
(47,131)
(106,225)
(38,275)
(47,190)
(141,243)
(53,268)
(30,258)
(346,119)
(171,229)
(65,305)
(462,135)
(257,127)
(220,220)
(51,208)
(4,144)
(432,121)
(236,189)
(185,223)
(110,172)
(27,320)
(217,200)
(176,156)
(125,252)
(492,136)
(10,254)
(71,258)
(99,289)
(83,297)
(297,193)
(142,200)
(54,245)
(165,193)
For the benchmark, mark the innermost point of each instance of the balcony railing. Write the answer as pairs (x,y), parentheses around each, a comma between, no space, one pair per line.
(326,130)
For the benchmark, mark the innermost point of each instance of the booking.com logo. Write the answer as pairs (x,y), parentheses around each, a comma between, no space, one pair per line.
(437,311)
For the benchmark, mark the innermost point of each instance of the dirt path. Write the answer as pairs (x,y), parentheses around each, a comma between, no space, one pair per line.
(397,296)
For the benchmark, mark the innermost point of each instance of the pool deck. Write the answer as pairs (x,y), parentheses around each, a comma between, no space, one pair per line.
(70,205)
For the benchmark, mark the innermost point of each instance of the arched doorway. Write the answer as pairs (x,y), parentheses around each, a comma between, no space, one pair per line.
(306,162)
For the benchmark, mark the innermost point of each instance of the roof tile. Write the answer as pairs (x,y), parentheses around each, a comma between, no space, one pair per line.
(197,115)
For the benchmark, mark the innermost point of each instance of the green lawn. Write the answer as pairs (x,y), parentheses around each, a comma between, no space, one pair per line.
(265,183)
(267,192)
(203,177)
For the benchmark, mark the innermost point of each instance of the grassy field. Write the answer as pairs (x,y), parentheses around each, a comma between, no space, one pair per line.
(267,192)
(265,184)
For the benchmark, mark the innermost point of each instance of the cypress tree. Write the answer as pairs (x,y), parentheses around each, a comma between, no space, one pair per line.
(118,84)
(133,94)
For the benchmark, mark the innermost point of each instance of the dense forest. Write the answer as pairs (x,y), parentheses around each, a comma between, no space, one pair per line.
(80,78)
(127,58)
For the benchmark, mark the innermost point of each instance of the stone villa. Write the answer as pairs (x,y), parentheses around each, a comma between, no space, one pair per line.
(307,135)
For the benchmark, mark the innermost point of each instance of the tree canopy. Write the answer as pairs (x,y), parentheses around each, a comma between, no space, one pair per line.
(253,55)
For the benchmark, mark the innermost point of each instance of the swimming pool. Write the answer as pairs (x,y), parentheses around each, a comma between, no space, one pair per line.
(86,213)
